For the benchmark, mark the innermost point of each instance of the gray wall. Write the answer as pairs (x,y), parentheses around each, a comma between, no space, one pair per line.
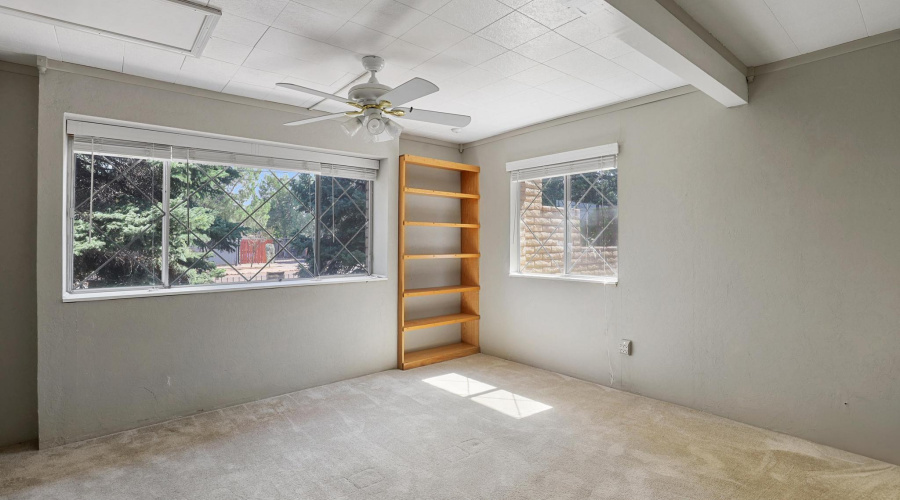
(18,204)
(759,246)
(105,366)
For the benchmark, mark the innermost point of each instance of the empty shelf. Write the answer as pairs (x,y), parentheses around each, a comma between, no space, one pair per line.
(437,354)
(444,164)
(447,319)
(442,256)
(438,290)
(445,194)
(441,224)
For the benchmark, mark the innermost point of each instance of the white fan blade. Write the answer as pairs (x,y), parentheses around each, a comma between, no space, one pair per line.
(313,120)
(449,119)
(315,92)
(409,91)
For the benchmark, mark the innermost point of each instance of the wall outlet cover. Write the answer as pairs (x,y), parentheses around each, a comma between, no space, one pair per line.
(625,347)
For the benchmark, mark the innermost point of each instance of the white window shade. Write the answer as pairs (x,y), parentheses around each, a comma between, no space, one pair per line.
(568,163)
(102,138)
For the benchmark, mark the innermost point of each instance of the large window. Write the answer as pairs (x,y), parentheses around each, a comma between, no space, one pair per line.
(139,221)
(566,225)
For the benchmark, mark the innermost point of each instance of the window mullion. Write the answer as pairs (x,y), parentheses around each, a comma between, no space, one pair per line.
(164,265)
(317,256)
(567,248)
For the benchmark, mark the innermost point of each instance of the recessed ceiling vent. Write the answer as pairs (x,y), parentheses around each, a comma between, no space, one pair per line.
(175,25)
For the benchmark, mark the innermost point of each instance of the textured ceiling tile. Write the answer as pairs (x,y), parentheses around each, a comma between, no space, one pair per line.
(261,11)
(388,16)
(150,62)
(472,15)
(609,20)
(91,50)
(880,15)
(513,30)
(247,90)
(546,47)
(403,54)
(435,35)
(469,81)
(307,49)
(816,24)
(610,47)
(537,75)
(581,31)
(224,50)
(475,50)
(628,85)
(345,9)
(360,39)
(747,28)
(515,3)
(282,64)
(567,85)
(426,6)
(588,66)
(302,20)
(508,64)
(441,67)
(648,69)
(240,30)
(550,13)
(206,73)
(257,77)
(496,92)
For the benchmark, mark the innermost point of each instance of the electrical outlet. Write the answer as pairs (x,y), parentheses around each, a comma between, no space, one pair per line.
(625,347)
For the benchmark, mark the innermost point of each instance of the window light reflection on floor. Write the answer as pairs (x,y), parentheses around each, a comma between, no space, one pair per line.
(459,384)
(505,402)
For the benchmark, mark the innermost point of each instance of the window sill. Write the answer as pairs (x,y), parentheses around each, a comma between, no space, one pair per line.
(158,292)
(559,277)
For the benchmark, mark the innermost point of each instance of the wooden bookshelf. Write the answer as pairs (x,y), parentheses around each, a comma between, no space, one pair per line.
(469,255)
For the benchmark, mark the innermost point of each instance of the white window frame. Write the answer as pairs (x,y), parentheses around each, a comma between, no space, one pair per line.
(117,129)
(547,162)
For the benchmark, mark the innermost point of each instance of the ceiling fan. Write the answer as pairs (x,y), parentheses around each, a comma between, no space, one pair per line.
(373,101)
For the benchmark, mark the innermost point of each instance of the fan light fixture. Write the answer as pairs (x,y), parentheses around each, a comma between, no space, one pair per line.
(374,102)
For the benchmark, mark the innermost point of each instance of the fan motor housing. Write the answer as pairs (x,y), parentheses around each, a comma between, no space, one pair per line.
(368,93)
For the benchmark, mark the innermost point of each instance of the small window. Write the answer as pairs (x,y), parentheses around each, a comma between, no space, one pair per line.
(138,221)
(566,225)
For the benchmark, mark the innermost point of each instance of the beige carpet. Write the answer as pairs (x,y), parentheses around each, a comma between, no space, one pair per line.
(478,427)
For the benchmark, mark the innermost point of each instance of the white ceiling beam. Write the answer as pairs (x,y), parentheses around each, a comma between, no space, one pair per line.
(661,36)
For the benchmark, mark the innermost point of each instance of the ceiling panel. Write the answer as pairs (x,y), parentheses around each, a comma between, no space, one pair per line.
(880,15)
(91,50)
(513,30)
(228,51)
(435,35)
(816,24)
(302,20)
(406,55)
(550,13)
(240,30)
(487,57)
(167,23)
(150,62)
(763,31)
(508,64)
(472,15)
(537,75)
(388,16)
(546,47)
(475,50)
